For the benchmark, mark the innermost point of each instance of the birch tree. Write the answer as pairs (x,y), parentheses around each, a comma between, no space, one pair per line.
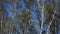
(3,22)
(52,12)
(42,14)
(1,17)
(14,3)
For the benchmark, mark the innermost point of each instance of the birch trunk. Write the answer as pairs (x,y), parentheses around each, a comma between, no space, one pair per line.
(50,22)
(14,13)
(56,23)
(42,14)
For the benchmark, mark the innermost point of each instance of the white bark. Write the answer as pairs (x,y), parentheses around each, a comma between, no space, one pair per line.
(50,22)
(42,14)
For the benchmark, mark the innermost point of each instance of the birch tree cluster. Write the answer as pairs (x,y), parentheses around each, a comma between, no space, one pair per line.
(29,17)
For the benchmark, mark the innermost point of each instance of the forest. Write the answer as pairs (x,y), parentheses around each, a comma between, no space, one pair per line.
(29,17)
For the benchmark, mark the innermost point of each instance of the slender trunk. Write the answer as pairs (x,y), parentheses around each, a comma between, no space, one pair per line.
(26,21)
(8,26)
(51,20)
(56,31)
(1,23)
(38,12)
(24,25)
(42,14)
(55,27)
(12,22)
(50,23)
(24,29)
(14,13)
(2,11)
